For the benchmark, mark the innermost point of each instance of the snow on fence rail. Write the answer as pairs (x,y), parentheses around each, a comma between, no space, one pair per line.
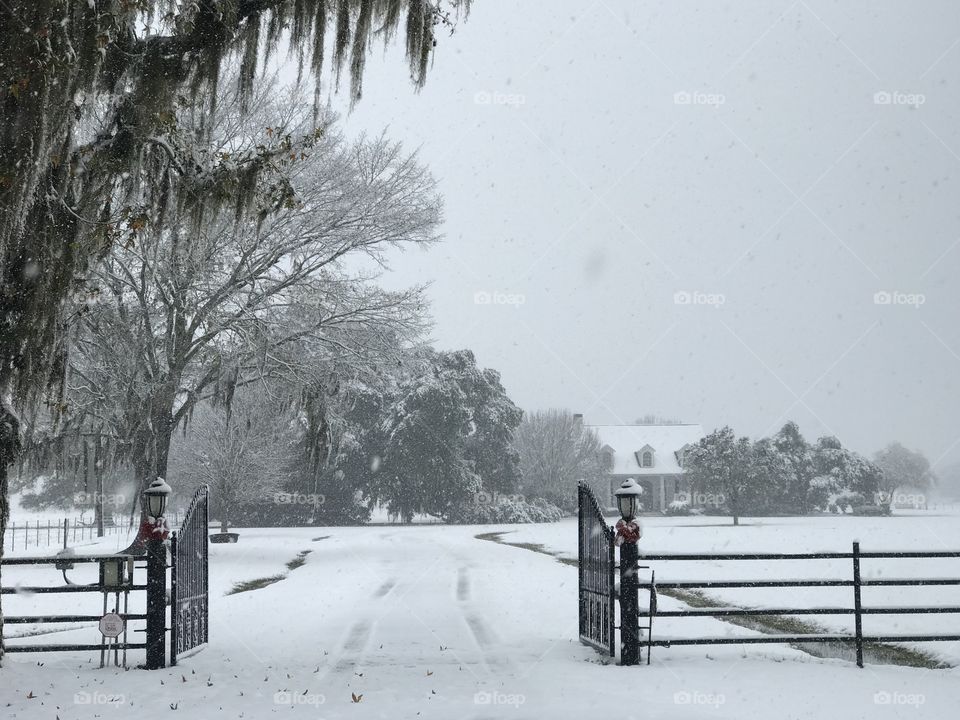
(856,609)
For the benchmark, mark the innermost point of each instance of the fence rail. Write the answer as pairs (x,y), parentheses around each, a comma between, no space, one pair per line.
(857,608)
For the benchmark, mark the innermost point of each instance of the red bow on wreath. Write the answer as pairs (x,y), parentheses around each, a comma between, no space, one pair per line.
(153,527)
(627,532)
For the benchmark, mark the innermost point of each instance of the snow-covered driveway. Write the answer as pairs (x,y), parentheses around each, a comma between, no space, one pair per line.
(393,622)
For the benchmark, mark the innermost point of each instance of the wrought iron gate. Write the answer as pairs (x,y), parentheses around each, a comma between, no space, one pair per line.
(596,564)
(189,590)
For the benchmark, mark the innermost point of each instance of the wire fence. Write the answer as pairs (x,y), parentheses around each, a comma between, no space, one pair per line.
(60,533)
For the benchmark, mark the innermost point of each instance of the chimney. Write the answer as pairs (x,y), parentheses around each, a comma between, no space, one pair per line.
(578,418)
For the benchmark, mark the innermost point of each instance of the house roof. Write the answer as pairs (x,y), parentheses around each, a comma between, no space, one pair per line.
(666,440)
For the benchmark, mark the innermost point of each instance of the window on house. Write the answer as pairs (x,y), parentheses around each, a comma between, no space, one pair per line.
(647,459)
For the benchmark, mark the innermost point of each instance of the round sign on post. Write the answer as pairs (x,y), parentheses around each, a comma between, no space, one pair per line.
(111,625)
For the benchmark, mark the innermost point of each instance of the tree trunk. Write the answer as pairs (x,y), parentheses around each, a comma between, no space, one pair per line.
(164,436)
(141,471)
(224,525)
(9,450)
(736,519)
(4,515)
(162,404)
(98,505)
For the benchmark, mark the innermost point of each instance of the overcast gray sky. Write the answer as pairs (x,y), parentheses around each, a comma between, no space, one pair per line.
(688,208)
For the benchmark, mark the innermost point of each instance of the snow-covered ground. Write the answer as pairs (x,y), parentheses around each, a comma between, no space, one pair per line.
(432,622)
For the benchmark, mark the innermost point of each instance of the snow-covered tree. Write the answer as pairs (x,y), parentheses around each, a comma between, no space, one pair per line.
(720,463)
(494,419)
(843,477)
(772,476)
(191,315)
(790,443)
(445,434)
(556,452)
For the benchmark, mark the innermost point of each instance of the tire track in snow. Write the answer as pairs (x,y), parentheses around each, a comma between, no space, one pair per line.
(354,648)
(463,585)
(385,588)
(483,635)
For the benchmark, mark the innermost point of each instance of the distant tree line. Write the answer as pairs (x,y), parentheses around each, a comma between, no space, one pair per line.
(786,475)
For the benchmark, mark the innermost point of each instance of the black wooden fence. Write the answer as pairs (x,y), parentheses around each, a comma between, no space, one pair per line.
(597,593)
(189,614)
(117,588)
(856,608)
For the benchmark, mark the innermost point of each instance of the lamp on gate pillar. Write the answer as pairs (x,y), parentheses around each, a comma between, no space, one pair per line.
(628,533)
(628,499)
(156,496)
(155,503)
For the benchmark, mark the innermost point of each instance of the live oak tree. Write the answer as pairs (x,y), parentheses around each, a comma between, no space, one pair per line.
(445,432)
(192,313)
(62,59)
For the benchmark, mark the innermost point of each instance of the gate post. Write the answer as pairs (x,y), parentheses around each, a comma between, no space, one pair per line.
(857,605)
(155,504)
(156,603)
(628,533)
(629,605)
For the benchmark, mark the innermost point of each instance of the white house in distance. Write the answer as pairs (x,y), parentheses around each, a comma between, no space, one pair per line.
(653,456)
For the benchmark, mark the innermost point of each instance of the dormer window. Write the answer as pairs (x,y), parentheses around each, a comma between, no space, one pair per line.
(606,456)
(644,456)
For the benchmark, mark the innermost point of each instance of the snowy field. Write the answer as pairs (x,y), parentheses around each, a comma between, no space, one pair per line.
(406,622)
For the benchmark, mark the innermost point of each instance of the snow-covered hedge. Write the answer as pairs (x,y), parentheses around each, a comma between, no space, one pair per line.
(509,510)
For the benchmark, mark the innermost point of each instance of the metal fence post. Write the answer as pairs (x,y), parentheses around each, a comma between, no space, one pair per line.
(156,603)
(629,605)
(857,606)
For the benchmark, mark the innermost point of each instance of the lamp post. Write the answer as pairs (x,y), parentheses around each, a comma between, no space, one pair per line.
(155,502)
(628,532)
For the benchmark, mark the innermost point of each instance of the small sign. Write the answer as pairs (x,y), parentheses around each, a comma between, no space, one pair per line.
(111,625)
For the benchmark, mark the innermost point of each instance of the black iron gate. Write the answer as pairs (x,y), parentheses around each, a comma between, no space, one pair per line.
(189,596)
(597,594)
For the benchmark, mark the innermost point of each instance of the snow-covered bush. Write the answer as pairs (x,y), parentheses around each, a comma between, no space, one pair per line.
(677,508)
